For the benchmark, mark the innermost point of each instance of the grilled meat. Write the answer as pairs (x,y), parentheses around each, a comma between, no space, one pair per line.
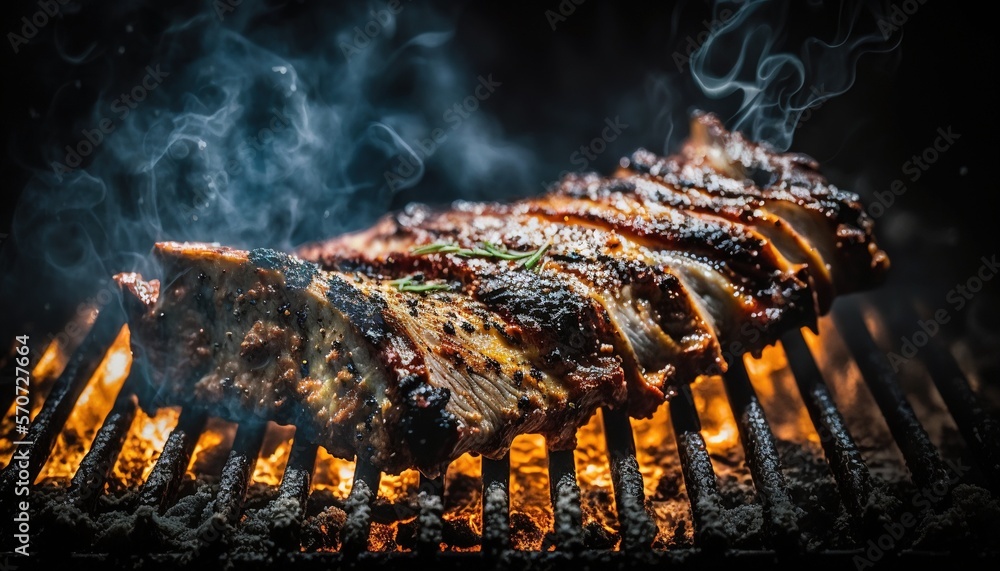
(439,332)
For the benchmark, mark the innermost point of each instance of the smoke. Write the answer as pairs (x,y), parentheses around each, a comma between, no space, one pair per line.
(764,66)
(252,128)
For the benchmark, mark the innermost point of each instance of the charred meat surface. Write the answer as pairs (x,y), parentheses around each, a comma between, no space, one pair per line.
(439,332)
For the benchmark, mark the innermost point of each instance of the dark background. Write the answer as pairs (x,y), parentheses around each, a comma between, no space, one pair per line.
(559,86)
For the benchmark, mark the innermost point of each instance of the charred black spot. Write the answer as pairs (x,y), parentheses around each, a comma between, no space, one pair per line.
(547,309)
(493,364)
(518,378)
(365,312)
(429,430)
(468,327)
(298,273)
(449,328)
(570,257)
(408,383)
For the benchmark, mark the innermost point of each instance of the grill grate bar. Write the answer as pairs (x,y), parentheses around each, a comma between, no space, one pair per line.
(238,470)
(496,504)
(849,469)
(978,427)
(780,513)
(565,494)
(295,482)
(699,476)
(922,458)
(637,527)
(96,466)
(364,491)
(430,501)
(297,477)
(62,397)
(159,488)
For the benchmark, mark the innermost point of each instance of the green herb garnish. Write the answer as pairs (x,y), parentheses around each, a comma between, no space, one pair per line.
(489,250)
(417,285)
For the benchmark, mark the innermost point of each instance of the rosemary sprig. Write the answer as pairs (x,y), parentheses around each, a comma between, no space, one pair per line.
(530,262)
(489,250)
(436,248)
(412,284)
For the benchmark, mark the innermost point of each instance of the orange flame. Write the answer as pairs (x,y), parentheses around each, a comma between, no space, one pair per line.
(57,353)
(718,426)
(273,454)
(593,474)
(94,404)
(46,370)
(333,474)
(143,446)
(659,464)
(463,488)
(529,492)
(212,448)
(775,385)
(394,488)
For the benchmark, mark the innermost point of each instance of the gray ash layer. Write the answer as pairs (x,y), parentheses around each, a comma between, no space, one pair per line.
(272,527)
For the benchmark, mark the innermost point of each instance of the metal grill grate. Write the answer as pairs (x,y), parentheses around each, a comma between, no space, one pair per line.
(858,488)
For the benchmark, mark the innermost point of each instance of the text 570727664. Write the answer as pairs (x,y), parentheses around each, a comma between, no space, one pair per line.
(20,461)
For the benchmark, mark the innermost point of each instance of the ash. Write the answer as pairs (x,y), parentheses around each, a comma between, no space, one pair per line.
(271,527)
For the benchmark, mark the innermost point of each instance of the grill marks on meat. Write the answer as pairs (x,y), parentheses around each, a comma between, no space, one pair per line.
(649,274)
